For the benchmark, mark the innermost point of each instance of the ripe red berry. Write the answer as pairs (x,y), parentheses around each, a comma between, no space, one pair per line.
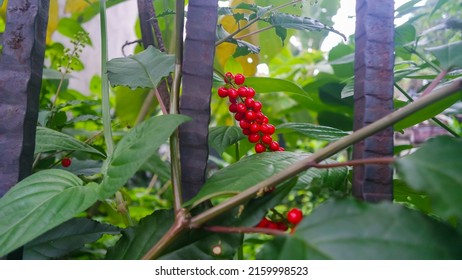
(294,216)
(282,226)
(254,138)
(239,116)
(233,107)
(250,115)
(228,77)
(239,79)
(274,146)
(267,139)
(232,93)
(257,106)
(249,102)
(222,92)
(260,148)
(241,108)
(242,91)
(272,225)
(264,223)
(66,162)
(250,92)
(244,124)
(246,131)
(267,129)
(254,127)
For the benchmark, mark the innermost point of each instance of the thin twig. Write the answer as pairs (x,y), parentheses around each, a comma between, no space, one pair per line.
(223,229)
(384,160)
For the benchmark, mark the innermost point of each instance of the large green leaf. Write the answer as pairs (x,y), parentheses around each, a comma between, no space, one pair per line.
(318,132)
(39,203)
(222,137)
(267,85)
(435,169)
(428,112)
(144,69)
(243,174)
(66,238)
(136,241)
(135,148)
(129,103)
(350,229)
(449,55)
(47,140)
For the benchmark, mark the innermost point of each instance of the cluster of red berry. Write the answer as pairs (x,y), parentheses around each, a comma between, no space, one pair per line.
(248,113)
(294,216)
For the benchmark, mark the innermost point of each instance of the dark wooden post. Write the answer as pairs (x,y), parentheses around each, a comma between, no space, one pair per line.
(374,60)
(20,80)
(199,50)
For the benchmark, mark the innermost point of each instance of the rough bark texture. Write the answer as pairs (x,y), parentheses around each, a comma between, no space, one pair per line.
(374,62)
(20,80)
(199,50)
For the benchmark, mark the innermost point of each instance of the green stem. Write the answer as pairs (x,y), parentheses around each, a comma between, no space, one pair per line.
(254,32)
(328,151)
(434,119)
(174,108)
(105,83)
(255,20)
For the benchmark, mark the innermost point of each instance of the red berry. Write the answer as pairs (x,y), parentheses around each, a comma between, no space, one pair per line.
(232,93)
(272,225)
(239,116)
(282,226)
(246,131)
(260,148)
(66,162)
(254,138)
(228,77)
(244,124)
(222,92)
(264,223)
(239,79)
(249,102)
(281,149)
(274,146)
(254,127)
(257,106)
(233,107)
(267,129)
(250,92)
(294,216)
(267,139)
(250,115)
(232,100)
(241,108)
(242,91)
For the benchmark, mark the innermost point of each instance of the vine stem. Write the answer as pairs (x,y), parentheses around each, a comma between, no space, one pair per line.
(174,107)
(385,160)
(328,151)
(104,82)
(255,20)
(224,229)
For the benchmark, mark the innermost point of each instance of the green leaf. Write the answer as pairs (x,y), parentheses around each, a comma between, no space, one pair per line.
(435,169)
(449,55)
(222,137)
(129,103)
(93,10)
(402,193)
(300,23)
(135,148)
(39,203)
(267,85)
(325,178)
(281,32)
(70,27)
(66,238)
(243,174)
(145,69)
(350,229)
(158,166)
(428,112)
(318,132)
(136,241)
(243,47)
(47,140)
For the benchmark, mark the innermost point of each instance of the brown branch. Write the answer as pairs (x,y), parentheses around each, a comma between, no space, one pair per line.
(384,160)
(223,229)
